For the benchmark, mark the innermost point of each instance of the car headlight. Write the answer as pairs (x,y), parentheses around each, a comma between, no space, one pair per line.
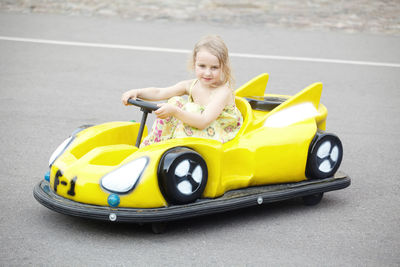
(60,149)
(124,179)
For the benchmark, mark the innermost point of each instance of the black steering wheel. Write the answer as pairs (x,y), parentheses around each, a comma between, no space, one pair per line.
(144,105)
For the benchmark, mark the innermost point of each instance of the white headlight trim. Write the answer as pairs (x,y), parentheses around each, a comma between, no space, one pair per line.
(60,149)
(123,179)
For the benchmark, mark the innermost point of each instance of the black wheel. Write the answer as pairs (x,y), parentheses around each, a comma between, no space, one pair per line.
(324,157)
(182,175)
(312,200)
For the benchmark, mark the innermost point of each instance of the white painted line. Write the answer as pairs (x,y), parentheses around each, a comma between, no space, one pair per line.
(321,60)
(185,51)
(95,45)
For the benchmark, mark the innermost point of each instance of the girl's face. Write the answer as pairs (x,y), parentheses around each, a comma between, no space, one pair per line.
(207,68)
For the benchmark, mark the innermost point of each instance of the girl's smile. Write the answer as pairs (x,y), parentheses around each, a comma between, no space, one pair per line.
(207,68)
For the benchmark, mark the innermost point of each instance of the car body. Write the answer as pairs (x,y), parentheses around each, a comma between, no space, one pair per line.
(282,141)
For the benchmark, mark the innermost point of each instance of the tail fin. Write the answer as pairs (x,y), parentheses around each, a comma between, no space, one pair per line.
(255,87)
(311,94)
(302,106)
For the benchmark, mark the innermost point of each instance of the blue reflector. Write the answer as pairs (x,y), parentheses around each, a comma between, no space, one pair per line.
(47,176)
(113,200)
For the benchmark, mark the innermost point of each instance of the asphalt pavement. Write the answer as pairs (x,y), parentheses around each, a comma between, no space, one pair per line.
(47,90)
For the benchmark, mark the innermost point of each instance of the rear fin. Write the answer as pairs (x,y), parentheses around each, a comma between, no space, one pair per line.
(255,87)
(311,94)
(302,106)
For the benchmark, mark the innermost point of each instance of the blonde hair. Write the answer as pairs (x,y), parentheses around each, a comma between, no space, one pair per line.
(216,46)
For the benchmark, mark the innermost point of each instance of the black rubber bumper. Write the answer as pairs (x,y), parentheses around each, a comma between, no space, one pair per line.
(232,200)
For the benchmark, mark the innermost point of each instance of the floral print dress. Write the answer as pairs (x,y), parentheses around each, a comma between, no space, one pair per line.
(223,129)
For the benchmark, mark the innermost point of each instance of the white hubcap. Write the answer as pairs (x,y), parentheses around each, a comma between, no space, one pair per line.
(327,156)
(190,175)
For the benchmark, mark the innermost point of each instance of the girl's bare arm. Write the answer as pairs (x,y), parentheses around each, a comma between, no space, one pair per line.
(155,93)
(199,121)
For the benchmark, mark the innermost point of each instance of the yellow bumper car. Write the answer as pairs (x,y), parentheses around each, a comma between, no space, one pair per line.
(281,151)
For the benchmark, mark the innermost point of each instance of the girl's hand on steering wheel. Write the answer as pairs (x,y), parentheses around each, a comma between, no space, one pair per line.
(128,95)
(166,110)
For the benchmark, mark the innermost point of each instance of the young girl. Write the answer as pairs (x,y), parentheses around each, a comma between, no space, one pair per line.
(210,110)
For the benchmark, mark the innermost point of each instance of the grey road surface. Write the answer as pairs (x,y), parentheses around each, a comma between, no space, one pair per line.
(47,90)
